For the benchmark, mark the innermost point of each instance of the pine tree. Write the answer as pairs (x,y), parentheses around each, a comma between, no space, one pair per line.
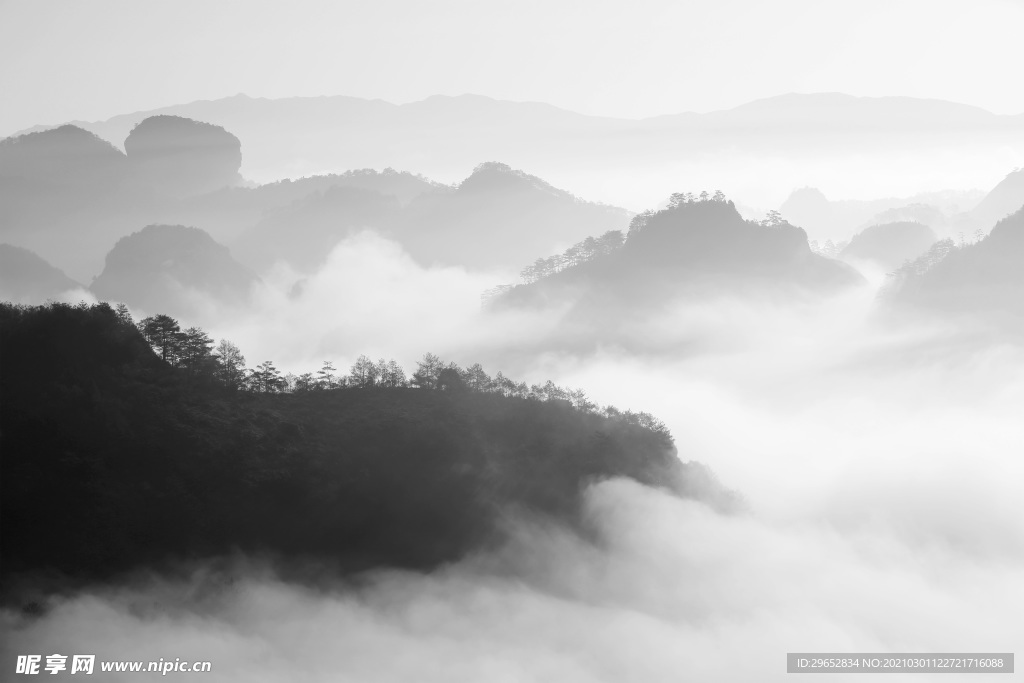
(164,334)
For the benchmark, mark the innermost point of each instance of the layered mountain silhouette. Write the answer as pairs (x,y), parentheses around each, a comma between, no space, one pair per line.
(181,171)
(694,252)
(26,278)
(66,193)
(948,212)
(890,244)
(172,269)
(838,220)
(982,278)
(441,136)
(496,217)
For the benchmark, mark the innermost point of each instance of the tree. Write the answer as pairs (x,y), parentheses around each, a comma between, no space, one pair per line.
(477,379)
(325,377)
(719,196)
(639,222)
(196,352)
(704,196)
(581,402)
(230,369)
(124,315)
(504,385)
(364,372)
(394,375)
(305,382)
(427,372)
(610,241)
(380,372)
(773,219)
(164,334)
(450,379)
(266,379)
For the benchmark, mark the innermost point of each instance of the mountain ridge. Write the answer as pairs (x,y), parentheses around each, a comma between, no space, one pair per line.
(759,104)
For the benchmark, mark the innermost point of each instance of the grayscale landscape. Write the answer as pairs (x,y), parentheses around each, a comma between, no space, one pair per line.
(488,342)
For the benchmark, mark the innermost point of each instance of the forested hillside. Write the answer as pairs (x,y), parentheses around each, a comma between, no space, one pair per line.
(983,278)
(699,247)
(115,458)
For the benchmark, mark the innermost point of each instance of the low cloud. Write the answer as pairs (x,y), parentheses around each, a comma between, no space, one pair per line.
(881,464)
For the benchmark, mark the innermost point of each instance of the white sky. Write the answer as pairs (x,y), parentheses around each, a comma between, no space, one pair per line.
(90,60)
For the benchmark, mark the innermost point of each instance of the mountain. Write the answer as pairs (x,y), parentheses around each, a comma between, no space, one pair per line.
(1004,199)
(181,157)
(229,212)
(48,176)
(303,233)
(692,253)
(890,244)
(135,467)
(402,185)
(838,111)
(172,269)
(984,278)
(838,220)
(499,216)
(495,217)
(626,162)
(63,156)
(926,214)
(25,278)
(66,193)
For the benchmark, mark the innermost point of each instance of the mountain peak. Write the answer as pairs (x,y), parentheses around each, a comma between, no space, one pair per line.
(495,176)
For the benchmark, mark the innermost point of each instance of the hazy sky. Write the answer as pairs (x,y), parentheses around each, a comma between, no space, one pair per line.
(63,60)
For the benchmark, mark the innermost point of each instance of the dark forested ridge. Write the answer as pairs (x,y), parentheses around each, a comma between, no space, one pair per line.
(114,459)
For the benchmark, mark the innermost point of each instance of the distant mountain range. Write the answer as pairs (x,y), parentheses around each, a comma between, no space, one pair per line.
(948,213)
(69,195)
(67,182)
(443,137)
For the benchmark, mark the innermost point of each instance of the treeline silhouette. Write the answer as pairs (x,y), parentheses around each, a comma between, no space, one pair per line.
(117,457)
(193,352)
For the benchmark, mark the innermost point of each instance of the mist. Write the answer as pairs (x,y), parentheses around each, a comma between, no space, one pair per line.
(879,466)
